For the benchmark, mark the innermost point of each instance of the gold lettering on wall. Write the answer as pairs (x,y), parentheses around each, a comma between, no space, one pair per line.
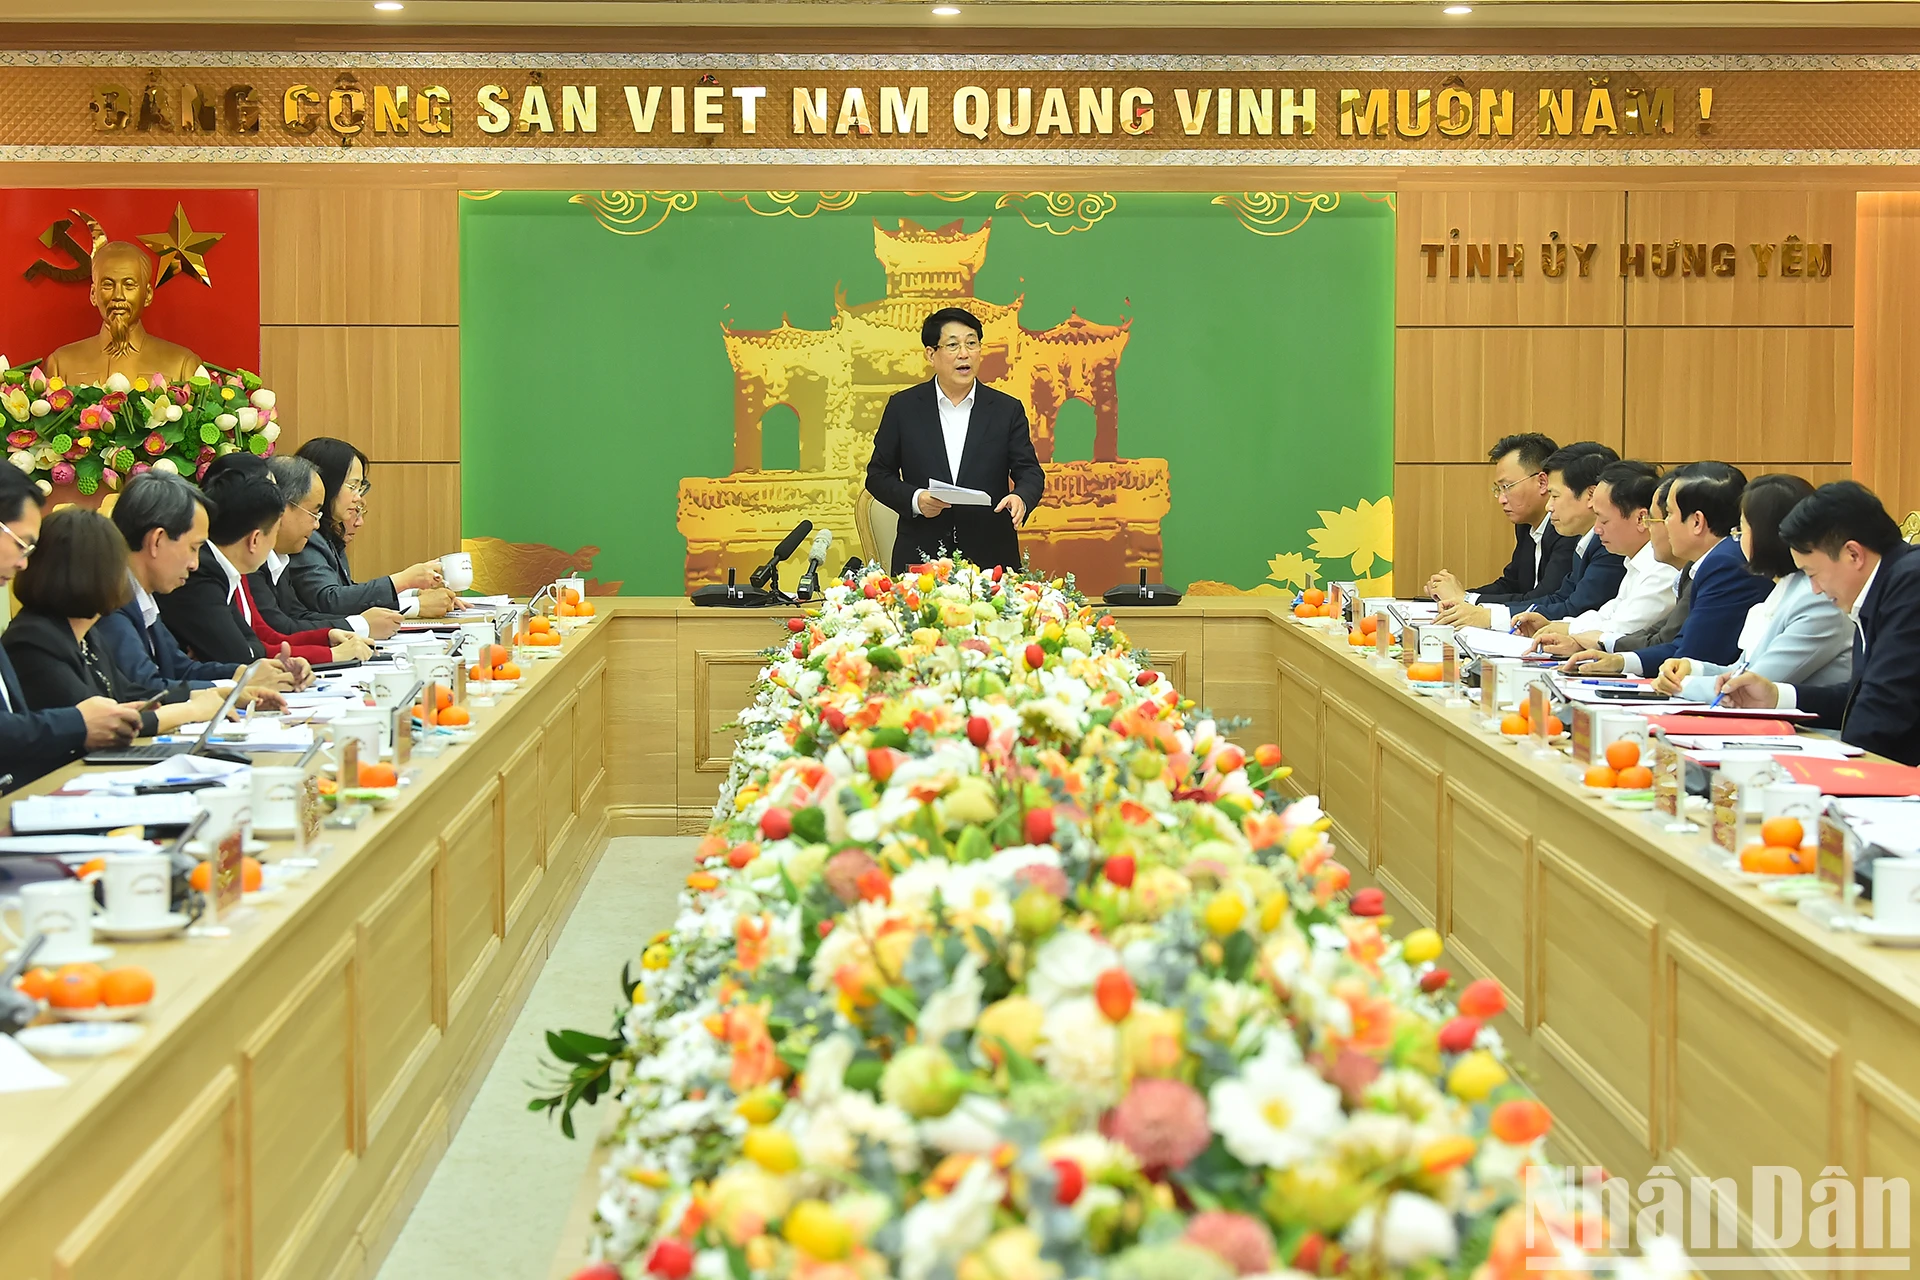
(1790,259)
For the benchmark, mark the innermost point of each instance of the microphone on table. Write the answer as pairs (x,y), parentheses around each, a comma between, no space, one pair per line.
(770,571)
(810,580)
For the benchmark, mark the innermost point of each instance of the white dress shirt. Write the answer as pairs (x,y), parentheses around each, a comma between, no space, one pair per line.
(1645,595)
(149,607)
(1789,699)
(233,582)
(954,417)
(277,565)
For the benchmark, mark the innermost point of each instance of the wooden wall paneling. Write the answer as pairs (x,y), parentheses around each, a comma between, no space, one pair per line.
(1175,646)
(1347,782)
(475,894)
(643,717)
(556,773)
(1885,1144)
(1457,390)
(1511,216)
(1297,698)
(339,254)
(589,737)
(298,1079)
(1237,652)
(1446,517)
(1886,332)
(413,514)
(1407,825)
(394,390)
(1741,218)
(1486,890)
(523,830)
(178,1210)
(1738,394)
(398,955)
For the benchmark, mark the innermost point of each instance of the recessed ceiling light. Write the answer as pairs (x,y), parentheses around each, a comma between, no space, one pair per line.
(946,11)
(388,6)
(1457,10)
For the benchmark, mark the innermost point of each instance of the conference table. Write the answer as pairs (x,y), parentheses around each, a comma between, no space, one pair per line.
(298,1081)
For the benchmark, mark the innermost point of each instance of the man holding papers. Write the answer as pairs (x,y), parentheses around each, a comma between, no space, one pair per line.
(949,450)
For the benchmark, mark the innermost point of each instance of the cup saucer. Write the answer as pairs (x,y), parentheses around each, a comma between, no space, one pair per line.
(85,955)
(165,927)
(1886,935)
(78,1039)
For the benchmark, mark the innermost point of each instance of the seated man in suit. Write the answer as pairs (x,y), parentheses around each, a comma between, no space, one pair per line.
(33,743)
(1704,508)
(1593,577)
(954,429)
(271,584)
(1850,549)
(213,613)
(1661,586)
(1541,556)
(164,521)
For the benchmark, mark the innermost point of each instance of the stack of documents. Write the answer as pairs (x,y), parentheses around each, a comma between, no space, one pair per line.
(956,496)
(40,814)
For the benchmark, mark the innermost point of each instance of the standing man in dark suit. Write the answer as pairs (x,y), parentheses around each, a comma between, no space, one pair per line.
(36,742)
(1541,557)
(1850,549)
(954,429)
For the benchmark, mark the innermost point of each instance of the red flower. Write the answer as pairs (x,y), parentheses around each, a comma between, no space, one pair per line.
(1163,1122)
(155,443)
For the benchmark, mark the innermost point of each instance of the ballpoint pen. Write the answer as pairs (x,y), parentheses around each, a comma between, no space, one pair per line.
(1738,667)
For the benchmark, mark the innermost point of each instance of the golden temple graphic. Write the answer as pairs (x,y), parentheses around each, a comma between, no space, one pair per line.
(1099,520)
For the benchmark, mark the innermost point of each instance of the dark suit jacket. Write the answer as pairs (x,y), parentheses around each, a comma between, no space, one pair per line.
(1724,590)
(198,613)
(150,656)
(323,583)
(33,743)
(282,607)
(55,673)
(1593,580)
(908,451)
(1669,625)
(1518,581)
(1879,708)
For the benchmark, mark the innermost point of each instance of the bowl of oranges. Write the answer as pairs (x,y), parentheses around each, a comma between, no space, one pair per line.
(1782,850)
(1622,773)
(377,785)
(1519,724)
(89,993)
(540,639)
(1363,635)
(495,666)
(1312,606)
(572,610)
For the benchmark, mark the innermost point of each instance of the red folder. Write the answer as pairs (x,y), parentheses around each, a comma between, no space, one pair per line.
(1721,726)
(1853,777)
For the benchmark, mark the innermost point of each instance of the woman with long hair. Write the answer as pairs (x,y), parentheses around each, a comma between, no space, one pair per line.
(321,577)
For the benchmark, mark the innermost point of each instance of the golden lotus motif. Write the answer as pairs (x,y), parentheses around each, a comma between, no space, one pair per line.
(1100,519)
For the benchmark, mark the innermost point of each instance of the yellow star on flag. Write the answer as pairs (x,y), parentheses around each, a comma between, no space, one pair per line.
(182,249)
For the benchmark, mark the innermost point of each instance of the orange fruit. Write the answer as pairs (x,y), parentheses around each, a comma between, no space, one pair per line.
(1601,775)
(1554,727)
(378,775)
(455,716)
(1306,611)
(92,867)
(1769,860)
(1369,624)
(1314,596)
(1359,639)
(538,625)
(1326,611)
(507,671)
(1623,753)
(569,596)
(250,877)
(445,698)
(1424,671)
(129,984)
(565,610)
(543,640)
(476,672)
(35,983)
(496,654)
(420,714)
(76,986)
(585,608)
(201,877)
(1513,723)
(1636,778)
(1783,833)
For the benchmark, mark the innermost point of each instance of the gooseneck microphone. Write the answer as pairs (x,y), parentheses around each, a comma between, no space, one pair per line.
(770,571)
(810,580)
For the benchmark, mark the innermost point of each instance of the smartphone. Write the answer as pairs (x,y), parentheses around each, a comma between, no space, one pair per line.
(336,666)
(1632,695)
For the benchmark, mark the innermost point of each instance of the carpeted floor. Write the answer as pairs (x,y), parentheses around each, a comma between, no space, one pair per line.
(499,1201)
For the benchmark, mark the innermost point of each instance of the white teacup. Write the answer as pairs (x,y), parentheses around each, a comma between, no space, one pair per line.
(61,911)
(139,888)
(369,726)
(227,808)
(276,799)
(391,686)
(456,570)
(1896,894)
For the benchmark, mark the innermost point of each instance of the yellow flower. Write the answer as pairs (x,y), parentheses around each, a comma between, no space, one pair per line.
(1153,1041)
(1224,912)
(1421,946)
(1293,569)
(772,1149)
(1476,1076)
(140,384)
(226,393)
(1360,534)
(817,1231)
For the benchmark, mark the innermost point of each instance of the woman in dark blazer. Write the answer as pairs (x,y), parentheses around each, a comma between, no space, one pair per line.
(78,573)
(321,578)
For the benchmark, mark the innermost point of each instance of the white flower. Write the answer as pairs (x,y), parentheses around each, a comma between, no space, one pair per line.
(168,465)
(226,422)
(1096,1155)
(118,382)
(956,1006)
(1415,1228)
(827,1064)
(1068,965)
(174,413)
(1078,1047)
(1275,1112)
(938,1232)
(972,1126)
(262,399)
(248,418)
(40,408)
(271,431)
(23,460)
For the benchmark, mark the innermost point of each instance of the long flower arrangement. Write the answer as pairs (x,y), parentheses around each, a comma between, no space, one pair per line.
(1001,962)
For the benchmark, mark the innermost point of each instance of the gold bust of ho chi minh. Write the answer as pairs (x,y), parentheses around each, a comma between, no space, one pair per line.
(121,289)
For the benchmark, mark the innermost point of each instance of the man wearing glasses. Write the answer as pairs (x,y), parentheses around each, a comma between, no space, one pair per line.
(37,742)
(954,430)
(271,584)
(1541,555)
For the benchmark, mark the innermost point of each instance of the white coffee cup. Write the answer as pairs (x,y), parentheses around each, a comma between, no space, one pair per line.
(1800,800)
(391,686)
(226,808)
(369,726)
(1896,894)
(276,799)
(456,570)
(139,888)
(435,670)
(61,911)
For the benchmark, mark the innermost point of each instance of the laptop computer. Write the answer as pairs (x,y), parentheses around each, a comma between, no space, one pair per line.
(148,752)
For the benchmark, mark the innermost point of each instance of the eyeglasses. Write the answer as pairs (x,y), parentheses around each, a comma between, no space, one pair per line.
(309,512)
(954,346)
(1501,488)
(26,548)
(360,488)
